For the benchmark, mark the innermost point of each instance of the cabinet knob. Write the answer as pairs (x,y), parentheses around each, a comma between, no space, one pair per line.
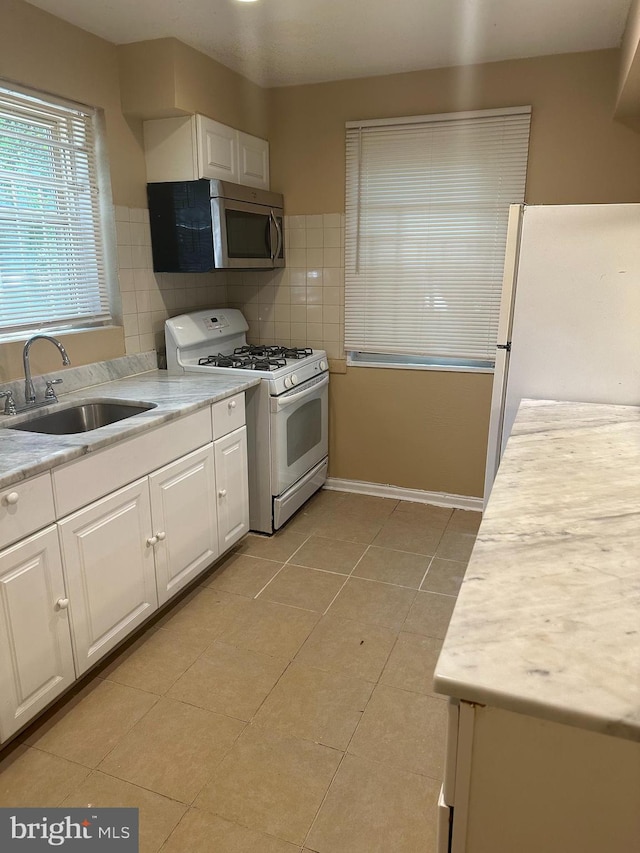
(151,541)
(232,404)
(11,498)
(161,535)
(222,493)
(62,603)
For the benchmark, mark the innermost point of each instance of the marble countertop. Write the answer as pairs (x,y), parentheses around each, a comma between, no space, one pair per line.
(24,454)
(547,622)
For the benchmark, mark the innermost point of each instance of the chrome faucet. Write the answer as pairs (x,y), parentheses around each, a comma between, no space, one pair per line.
(29,390)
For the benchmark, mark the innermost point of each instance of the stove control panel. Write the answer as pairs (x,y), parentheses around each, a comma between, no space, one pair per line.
(215,323)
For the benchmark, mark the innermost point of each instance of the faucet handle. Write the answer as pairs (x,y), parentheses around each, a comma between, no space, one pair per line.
(50,394)
(9,404)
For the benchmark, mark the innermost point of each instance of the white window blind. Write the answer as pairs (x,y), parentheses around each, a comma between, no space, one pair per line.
(51,254)
(427,203)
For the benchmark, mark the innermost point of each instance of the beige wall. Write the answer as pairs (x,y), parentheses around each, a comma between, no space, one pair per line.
(578,153)
(428,429)
(420,429)
(41,51)
(165,77)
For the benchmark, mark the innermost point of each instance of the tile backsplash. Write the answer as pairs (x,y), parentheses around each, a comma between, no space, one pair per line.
(301,305)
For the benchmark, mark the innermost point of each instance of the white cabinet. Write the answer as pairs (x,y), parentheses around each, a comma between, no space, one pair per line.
(192,147)
(232,475)
(25,507)
(136,522)
(183,511)
(36,662)
(253,161)
(110,572)
(216,150)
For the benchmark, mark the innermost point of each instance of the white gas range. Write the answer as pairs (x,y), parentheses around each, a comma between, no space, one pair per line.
(287,413)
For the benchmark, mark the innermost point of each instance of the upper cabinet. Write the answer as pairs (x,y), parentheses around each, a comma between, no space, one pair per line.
(192,147)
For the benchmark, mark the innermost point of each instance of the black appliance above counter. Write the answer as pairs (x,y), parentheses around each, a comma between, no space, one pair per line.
(202,226)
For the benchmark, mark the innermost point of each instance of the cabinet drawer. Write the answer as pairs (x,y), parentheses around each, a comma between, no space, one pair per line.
(25,507)
(228,415)
(85,480)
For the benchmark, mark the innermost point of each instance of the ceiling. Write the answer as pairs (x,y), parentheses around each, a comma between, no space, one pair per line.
(287,42)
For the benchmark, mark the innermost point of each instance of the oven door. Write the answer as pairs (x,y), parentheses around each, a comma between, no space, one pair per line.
(299,432)
(246,235)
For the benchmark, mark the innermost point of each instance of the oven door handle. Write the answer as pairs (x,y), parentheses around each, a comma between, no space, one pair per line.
(289,399)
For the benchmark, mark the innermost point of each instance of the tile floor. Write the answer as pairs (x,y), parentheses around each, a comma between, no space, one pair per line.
(283,704)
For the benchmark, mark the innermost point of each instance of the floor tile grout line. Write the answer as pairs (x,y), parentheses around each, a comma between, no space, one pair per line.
(285,563)
(345,753)
(345,581)
(268,582)
(424,577)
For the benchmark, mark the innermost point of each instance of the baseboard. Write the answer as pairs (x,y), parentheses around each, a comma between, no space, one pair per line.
(380,490)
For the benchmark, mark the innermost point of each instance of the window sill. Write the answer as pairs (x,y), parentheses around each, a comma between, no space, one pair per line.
(410,362)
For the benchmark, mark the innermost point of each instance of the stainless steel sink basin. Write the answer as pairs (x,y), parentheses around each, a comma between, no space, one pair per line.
(83,417)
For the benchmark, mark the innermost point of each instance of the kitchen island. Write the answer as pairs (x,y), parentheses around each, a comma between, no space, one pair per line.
(542,656)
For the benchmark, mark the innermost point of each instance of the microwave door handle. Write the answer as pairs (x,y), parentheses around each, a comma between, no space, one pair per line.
(272,226)
(279,230)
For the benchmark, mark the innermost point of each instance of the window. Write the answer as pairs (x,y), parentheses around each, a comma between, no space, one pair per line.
(427,204)
(52,270)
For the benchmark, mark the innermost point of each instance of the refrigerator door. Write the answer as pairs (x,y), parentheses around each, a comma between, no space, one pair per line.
(501,370)
(575,332)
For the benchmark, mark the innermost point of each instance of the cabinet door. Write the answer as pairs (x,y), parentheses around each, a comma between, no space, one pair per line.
(183,509)
(232,482)
(36,662)
(253,161)
(217,150)
(109,571)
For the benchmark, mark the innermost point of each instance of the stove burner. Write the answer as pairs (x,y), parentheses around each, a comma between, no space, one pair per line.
(247,358)
(221,360)
(279,352)
(296,352)
(261,363)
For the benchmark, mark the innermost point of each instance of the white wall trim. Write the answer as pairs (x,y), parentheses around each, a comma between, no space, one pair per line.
(385,491)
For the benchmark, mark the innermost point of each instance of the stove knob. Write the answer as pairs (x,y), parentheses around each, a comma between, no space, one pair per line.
(287,382)
(294,379)
(323,365)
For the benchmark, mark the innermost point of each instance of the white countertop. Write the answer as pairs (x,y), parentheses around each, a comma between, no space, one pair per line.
(547,622)
(24,454)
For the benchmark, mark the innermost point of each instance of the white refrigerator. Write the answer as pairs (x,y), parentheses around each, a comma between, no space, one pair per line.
(570,312)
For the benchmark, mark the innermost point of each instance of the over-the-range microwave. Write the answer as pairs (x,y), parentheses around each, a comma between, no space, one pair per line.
(200,226)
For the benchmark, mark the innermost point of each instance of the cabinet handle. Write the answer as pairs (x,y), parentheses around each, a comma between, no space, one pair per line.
(232,404)
(222,493)
(62,603)
(151,541)
(160,536)
(11,498)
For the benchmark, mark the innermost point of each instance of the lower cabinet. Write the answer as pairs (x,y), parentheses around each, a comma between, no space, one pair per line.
(232,487)
(36,662)
(110,571)
(183,512)
(522,784)
(72,592)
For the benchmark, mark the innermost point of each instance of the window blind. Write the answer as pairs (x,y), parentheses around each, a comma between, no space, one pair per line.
(427,203)
(51,256)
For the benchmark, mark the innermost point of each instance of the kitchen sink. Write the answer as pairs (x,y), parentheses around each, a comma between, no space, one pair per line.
(83,417)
